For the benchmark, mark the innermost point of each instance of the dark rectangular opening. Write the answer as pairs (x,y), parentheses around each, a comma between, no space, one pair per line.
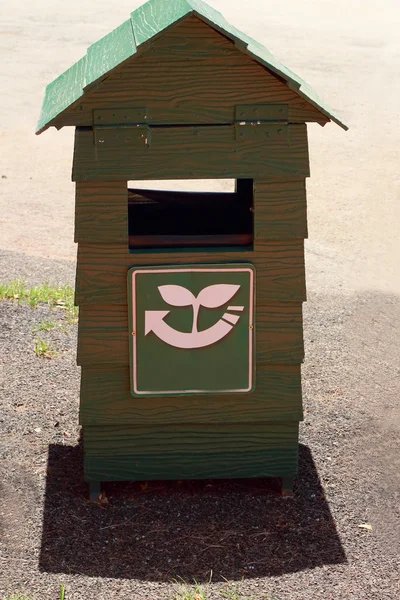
(191,219)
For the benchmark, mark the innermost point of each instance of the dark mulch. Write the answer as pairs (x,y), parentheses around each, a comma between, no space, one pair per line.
(147,534)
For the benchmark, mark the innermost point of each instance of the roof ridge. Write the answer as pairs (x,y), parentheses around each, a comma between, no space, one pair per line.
(153,17)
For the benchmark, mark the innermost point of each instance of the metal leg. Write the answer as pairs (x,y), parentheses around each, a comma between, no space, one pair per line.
(287,486)
(94,490)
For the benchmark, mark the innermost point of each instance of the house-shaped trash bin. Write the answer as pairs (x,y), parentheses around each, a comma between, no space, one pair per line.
(190,303)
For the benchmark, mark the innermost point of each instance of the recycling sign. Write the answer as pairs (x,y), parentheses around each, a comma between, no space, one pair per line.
(192,329)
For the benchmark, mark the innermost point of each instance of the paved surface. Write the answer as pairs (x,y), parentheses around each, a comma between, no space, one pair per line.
(349,51)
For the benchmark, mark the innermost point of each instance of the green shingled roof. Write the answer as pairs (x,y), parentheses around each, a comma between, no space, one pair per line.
(146,22)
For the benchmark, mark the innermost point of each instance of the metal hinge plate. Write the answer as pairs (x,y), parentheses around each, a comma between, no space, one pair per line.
(262,122)
(133,135)
(119,116)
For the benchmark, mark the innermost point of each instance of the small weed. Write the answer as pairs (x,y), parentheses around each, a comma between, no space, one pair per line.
(23,597)
(72,315)
(45,326)
(43,349)
(49,325)
(185,591)
(12,291)
(230,591)
(55,297)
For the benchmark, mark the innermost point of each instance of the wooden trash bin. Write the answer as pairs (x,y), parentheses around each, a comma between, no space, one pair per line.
(190,304)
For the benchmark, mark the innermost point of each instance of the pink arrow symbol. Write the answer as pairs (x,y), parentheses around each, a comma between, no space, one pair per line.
(152,318)
(154,321)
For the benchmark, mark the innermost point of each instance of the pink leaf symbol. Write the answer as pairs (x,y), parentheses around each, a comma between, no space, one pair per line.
(216,295)
(176,295)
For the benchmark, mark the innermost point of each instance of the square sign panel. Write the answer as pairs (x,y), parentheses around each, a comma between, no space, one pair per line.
(192,329)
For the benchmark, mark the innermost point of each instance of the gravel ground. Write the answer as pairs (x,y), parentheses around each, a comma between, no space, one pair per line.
(145,536)
(35,271)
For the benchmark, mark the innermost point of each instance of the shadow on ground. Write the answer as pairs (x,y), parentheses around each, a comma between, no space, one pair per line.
(164,530)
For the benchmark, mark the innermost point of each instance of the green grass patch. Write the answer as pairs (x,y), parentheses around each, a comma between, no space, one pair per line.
(45,326)
(185,591)
(49,325)
(24,597)
(54,297)
(230,591)
(44,350)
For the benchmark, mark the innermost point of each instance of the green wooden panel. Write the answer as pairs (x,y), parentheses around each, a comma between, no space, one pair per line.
(232,465)
(102,269)
(106,400)
(191,152)
(198,438)
(103,336)
(109,52)
(190,451)
(148,22)
(280,209)
(101,212)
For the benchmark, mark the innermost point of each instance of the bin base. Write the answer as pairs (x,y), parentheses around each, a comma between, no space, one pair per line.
(94,491)
(287,486)
(190,451)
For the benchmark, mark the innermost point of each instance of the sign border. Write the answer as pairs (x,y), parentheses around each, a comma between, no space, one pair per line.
(237,267)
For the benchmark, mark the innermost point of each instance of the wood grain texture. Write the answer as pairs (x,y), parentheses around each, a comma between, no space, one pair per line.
(280,209)
(101,212)
(190,153)
(191,74)
(184,465)
(102,269)
(190,241)
(106,400)
(103,336)
(190,451)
